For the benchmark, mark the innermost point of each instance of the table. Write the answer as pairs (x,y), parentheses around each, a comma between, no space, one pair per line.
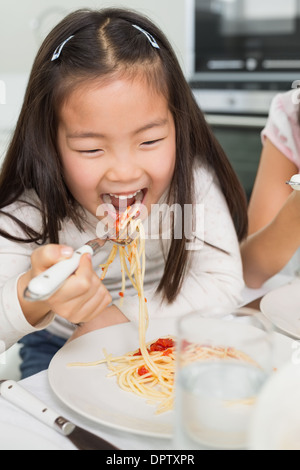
(39,386)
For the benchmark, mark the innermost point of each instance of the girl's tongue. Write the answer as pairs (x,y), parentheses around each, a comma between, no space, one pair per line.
(121,202)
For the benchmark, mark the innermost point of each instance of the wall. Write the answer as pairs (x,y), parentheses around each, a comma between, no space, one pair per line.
(23,25)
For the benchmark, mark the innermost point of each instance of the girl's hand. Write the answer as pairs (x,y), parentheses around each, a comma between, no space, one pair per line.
(81,298)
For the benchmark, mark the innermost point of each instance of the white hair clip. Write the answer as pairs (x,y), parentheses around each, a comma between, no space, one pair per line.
(58,50)
(148,36)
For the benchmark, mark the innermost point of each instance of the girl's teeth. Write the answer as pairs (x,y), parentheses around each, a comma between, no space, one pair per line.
(128,196)
(138,196)
(106,198)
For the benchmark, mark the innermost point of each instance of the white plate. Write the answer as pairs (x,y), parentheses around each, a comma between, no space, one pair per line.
(276,419)
(17,438)
(89,392)
(282,307)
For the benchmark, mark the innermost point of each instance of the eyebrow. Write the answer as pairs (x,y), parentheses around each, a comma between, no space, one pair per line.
(151,125)
(84,135)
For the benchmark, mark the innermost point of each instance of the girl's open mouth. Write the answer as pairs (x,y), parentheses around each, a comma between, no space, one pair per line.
(121,201)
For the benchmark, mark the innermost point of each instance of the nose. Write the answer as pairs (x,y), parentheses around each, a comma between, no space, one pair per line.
(124,168)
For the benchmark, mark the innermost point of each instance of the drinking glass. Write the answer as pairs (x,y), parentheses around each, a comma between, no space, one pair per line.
(223,360)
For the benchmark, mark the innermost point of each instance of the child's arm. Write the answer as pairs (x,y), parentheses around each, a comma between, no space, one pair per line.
(274,219)
(81,298)
(111,315)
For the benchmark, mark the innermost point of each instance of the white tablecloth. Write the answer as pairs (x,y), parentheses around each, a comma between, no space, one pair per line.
(39,386)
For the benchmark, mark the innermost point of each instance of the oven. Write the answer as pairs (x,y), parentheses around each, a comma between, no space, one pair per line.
(243,52)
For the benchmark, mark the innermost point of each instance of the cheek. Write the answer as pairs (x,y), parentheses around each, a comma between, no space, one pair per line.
(165,169)
(78,174)
(163,177)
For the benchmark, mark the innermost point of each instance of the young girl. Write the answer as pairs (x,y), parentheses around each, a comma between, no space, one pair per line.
(274,211)
(108,116)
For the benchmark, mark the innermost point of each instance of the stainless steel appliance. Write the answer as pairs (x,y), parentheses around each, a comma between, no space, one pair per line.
(244,53)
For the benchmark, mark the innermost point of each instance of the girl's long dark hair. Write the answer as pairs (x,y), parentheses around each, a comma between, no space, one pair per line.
(105,44)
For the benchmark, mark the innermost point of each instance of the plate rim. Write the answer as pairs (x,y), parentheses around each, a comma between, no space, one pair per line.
(265,312)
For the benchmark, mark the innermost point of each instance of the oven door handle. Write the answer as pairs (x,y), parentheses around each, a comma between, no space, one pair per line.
(229,120)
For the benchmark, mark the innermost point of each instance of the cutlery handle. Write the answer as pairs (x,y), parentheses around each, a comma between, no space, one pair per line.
(294,182)
(45,284)
(18,396)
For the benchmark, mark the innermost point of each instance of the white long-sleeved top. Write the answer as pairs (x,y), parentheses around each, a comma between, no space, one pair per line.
(214,276)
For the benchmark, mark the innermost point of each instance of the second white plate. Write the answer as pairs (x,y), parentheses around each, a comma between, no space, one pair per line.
(282,307)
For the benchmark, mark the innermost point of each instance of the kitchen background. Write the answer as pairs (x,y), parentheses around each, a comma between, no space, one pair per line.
(236,54)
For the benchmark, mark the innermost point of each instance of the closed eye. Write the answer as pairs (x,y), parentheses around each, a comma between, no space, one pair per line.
(151,142)
(90,152)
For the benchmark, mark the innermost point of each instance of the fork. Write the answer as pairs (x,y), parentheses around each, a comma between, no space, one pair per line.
(48,282)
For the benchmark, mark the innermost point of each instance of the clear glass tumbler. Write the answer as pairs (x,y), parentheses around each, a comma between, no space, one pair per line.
(223,360)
